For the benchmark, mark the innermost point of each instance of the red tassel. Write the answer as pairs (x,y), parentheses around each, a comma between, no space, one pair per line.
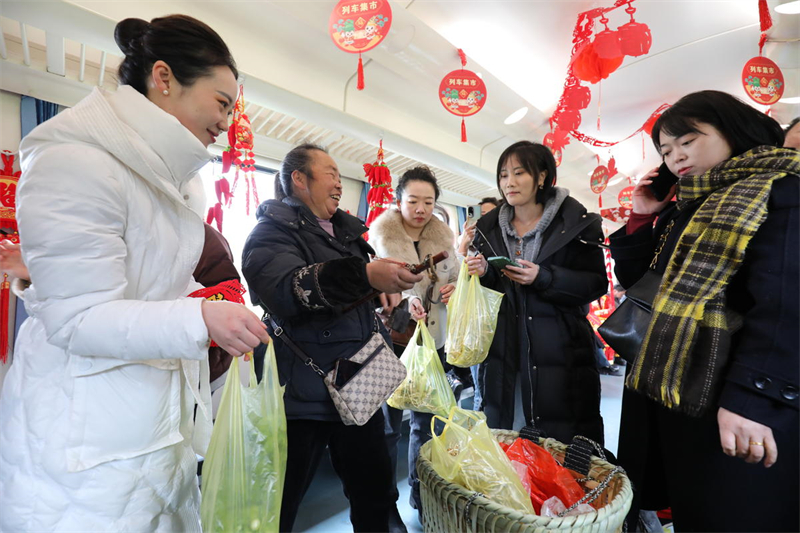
(360,85)
(5,291)
(761,42)
(763,15)
(463,57)
(463,131)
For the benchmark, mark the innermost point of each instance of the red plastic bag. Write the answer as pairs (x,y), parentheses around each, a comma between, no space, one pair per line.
(543,477)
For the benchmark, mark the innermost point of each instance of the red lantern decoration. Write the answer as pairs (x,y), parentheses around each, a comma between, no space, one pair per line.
(379,197)
(358,26)
(606,43)
(634,37)
(577,97)
(554,142)
(762,80)
(463,94)
(625,197)
(599,179)
(8,222)
(240,155)
(567,119)
(587,66)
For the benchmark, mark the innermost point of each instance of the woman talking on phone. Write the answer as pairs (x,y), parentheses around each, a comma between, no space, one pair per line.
(541,367)
(714,388)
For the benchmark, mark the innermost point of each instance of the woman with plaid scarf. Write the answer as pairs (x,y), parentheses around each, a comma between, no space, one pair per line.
(711,399)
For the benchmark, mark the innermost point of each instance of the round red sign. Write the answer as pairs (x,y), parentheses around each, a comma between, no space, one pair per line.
(360,26)
(462,93)
(626,197)
(762,80)
(599,179)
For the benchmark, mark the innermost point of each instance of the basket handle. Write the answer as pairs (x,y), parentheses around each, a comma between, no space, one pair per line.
(579,454)
(595,492)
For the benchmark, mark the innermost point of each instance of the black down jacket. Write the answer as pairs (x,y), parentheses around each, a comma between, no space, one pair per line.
(542,330)
(307,279)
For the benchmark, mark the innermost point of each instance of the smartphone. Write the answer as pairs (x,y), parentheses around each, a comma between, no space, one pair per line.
(345,370)
(500,262)
(663,182)
(470,212)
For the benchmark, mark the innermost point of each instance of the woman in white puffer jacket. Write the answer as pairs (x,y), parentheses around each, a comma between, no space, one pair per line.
(96,429)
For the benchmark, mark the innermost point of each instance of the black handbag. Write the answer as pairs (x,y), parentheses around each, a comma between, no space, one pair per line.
(625,328)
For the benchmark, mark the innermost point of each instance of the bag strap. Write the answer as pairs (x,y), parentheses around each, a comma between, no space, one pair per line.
(578,456)
(661,241)
(278,332)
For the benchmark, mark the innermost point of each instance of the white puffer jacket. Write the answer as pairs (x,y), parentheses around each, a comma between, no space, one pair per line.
(96,410)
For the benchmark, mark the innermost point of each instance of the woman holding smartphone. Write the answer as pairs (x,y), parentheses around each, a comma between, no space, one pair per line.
(714,388)
(541,368)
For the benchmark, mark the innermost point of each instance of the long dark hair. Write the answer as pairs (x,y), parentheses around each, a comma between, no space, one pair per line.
(188,46)
(535,158)
(741,125)
(418,173)
(298,158)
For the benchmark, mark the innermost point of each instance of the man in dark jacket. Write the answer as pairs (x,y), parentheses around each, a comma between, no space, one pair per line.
(307,264)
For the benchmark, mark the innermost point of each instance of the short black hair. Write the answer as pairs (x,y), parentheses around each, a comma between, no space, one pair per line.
(418,173)
(298,158)
(190,48)
(490,200)
(741,125)
(534,158)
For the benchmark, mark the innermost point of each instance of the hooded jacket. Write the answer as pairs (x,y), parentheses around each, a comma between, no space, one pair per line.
(96,410)
(308,280)
(390,239)
(542,331)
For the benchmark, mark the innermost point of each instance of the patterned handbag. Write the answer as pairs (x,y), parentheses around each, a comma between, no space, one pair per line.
(359,384)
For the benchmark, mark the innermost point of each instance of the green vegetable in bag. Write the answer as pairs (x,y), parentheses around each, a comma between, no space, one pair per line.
(473,459)
(244,468)
(471,320)
(425,389)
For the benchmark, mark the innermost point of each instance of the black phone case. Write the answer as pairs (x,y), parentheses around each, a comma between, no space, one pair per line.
(345,369)
(663,182)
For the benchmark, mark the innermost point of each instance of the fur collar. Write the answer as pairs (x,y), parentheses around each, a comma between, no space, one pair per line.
(390,239)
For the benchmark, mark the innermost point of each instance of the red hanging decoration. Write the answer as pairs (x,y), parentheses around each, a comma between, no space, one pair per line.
(462,93)
(606,43)
(240,154)
(589,67)
(577,96)
(634,38)
(357,26)
(765,20)
(380,194)
(616,214)
(625,197)
(228,291)
(8,222)
(599,179)
(762,80)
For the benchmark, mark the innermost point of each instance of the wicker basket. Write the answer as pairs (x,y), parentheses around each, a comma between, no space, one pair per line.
(450,508)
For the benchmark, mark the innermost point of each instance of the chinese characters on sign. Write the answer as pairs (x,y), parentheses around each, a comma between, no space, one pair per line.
(462,93)
(360,26)
(762,80)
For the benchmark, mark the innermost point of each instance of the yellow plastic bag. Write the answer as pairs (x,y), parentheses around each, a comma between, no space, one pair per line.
(466,453)
(245,465)
(425,389)
(471,320)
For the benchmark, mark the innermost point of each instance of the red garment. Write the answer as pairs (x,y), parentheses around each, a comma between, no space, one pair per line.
(638,221)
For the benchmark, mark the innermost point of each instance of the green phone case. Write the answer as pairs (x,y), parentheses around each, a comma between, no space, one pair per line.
(500,262)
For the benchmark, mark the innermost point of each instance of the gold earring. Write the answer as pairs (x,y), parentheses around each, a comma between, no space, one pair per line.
(165,92)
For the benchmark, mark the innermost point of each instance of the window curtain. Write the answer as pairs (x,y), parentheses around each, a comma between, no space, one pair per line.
(32,112)
(462,217)
(363,205)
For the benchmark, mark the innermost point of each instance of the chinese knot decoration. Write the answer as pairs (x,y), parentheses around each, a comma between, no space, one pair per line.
(240,155)
(592,61)
(380,194)
(8,225)
(357,26)
(762,79)
(462,93)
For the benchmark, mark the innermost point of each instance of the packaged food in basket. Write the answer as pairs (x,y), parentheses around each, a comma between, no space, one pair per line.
(473,459)
(471,320)
(542,476)
(425,388)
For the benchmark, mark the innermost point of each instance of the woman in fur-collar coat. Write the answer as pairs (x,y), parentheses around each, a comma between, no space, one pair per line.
(409,233)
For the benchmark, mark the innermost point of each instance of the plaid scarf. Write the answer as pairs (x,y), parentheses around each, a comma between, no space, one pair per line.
(687,345)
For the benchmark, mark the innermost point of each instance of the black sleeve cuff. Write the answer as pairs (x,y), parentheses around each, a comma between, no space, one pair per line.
(544,279)
(769,400)
(331,285)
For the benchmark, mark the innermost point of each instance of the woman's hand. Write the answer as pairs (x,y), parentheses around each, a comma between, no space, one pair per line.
(416,309)
(644,203)
(466,238)
(523,276)
(476,265)
(446,292)
(11,261)
(743,438)
(391,276)
(235,328)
